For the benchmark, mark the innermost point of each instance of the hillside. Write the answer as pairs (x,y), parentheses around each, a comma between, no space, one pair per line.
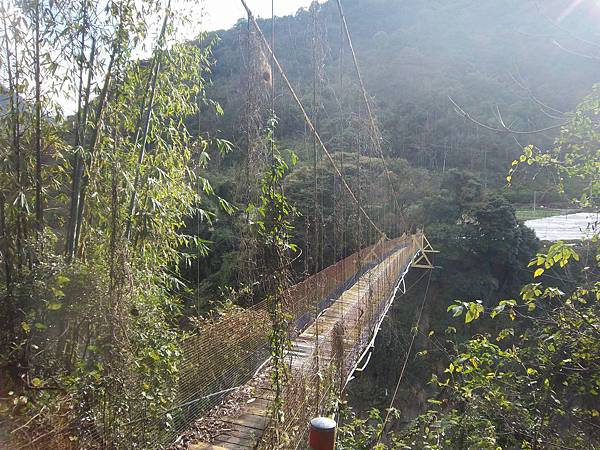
(490,57)
(413,56)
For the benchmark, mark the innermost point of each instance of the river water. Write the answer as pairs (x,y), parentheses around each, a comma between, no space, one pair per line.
(568,227)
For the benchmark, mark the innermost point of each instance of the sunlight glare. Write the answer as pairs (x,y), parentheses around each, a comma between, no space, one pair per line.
(572,7)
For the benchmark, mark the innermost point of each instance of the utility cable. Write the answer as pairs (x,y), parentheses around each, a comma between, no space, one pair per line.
(306,117)
(406,358)
(375,134)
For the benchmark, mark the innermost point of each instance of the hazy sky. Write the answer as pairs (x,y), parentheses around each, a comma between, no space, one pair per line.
(225,13)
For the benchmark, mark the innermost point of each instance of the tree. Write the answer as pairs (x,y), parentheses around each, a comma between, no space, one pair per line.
(534,384)
(529,376)
(91,347)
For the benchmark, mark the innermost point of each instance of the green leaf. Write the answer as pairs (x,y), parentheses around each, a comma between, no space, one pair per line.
(54,306)
(58,293)
(469,317)
(458,310)
(62,280)
(538,273)
(36,382)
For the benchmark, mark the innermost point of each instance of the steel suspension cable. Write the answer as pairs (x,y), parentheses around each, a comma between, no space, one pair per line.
(317,254)
(307,118)
(414,331)
(375,134)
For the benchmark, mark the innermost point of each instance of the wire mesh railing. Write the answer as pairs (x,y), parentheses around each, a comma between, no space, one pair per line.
(347,330)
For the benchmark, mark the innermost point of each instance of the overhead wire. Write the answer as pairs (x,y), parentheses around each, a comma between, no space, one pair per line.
(375,133)
(307,118)
(341,127)
(504,129)
(318,219)
(414,331)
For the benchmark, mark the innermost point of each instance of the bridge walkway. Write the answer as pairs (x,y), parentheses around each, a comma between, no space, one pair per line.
(336,341)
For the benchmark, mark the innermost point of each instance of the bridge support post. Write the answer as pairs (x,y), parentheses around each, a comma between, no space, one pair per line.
(322,433)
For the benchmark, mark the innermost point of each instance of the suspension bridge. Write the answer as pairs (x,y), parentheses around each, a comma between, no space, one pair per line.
(335,316)
(230,389)
(230,393)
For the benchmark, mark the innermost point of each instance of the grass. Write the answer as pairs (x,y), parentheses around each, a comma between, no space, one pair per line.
(529,214)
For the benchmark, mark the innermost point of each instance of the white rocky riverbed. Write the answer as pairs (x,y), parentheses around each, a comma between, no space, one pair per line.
(567,227)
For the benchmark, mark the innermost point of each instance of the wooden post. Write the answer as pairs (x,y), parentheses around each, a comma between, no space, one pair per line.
(322,433)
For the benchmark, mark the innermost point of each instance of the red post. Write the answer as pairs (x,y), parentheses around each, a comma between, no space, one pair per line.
(322,433)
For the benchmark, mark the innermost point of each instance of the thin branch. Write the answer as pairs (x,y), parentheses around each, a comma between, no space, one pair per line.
(504,129)
(564,30)
(573,52)
(543,106)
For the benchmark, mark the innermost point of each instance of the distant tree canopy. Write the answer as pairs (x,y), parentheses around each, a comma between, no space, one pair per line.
(412,57)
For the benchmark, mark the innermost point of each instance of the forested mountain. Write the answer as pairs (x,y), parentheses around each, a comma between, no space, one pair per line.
(508,65)
(501,62)
(490,57)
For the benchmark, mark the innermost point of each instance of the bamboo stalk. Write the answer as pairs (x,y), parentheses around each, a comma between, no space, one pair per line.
(102,100)
(151,88)
(13,101)
(79,124)
(5,251)
(39,210)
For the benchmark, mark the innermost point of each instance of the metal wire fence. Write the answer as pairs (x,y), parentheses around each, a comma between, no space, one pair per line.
(347,332)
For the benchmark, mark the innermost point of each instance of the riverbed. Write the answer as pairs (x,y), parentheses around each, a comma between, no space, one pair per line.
(568,227)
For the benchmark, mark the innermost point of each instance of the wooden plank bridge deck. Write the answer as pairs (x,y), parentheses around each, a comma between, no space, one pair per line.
(358,311)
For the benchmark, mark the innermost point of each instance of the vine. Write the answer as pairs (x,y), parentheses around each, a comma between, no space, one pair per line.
(274,223)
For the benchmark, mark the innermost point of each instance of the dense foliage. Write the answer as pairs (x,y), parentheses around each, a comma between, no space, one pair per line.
(92,208)
(412,57)
(528,377)
(113,188)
